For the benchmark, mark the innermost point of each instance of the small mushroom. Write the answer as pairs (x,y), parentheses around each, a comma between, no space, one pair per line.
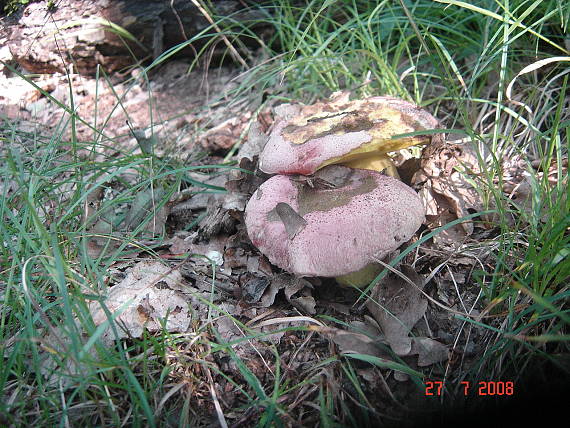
(358,134)
(336,224)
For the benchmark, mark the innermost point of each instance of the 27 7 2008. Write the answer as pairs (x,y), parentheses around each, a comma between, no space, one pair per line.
(482,388)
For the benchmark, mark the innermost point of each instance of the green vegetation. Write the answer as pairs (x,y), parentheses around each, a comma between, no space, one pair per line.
(456,59)
(11,6)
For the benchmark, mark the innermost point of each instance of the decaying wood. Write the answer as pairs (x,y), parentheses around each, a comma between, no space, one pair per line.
(111,33)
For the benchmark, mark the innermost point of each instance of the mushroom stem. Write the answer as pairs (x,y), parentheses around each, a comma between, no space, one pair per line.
(362,277)
(376,162)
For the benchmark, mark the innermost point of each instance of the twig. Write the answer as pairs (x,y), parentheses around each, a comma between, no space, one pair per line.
(233,50)
(219,412)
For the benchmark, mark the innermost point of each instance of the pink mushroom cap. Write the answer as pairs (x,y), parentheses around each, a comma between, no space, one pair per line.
(335,224)
(335,132)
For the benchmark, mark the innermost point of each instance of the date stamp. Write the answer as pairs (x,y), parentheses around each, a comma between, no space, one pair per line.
(482,388)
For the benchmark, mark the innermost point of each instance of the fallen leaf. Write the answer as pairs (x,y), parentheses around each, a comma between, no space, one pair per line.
(235,257)
(230,332)
(398,306)
(445,182)
(450,236)
(292,221)
(146,140)
(254,289)
(255,142)
(429,351)
(305,304)
(181,246)
(99,223)
(286,111)
(269,294)
(224,135)
(241,184)
(294,284)
(148,297)
(352,342)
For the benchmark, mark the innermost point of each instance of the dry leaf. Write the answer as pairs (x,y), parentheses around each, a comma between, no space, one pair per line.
(305,301)
(519,181)
(254,289)
(305,304)
(98,224)
(351,342)
(224,135)
(241,185)
(429,351)
(397,306)
(102,225)
(269,294)
(235,257)
(255,143)
(181,246)
(446,170)
(149,297)
(291,286)
(230,332)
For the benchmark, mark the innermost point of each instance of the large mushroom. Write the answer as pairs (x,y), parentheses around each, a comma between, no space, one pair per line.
(358,134)
(336,225)
(317,218)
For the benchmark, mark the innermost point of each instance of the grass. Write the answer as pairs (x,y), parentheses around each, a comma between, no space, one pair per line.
(453,58)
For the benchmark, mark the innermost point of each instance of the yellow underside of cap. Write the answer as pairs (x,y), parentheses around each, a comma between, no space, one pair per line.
(374,162)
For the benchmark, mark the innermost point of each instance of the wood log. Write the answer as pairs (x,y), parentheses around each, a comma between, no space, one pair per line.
(112,33)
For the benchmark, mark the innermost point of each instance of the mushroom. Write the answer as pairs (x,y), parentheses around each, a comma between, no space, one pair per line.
(334,225)
(358,134)
(322,219)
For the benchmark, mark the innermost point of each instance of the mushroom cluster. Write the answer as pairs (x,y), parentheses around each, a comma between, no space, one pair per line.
(331,210)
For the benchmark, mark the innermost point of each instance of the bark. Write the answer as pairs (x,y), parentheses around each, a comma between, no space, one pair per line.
(112,33)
